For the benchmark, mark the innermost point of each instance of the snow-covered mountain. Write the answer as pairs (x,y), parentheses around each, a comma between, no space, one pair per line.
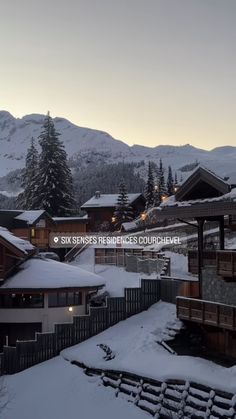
(86,144)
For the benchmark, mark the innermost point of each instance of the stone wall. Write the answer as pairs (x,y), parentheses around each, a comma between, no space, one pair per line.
(215,288)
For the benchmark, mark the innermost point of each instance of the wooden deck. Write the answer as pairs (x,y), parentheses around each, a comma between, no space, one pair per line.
(206,312)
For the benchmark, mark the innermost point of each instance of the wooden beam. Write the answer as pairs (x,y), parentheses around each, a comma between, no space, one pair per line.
(200,222)
(222,232)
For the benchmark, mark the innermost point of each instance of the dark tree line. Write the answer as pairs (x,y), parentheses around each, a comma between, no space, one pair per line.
(157,187)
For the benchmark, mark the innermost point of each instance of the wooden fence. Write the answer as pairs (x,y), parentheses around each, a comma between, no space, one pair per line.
(47,345)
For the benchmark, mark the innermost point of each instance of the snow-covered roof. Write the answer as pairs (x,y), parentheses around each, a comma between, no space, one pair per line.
(23,245)
(129,225)
(38,273)
(64,219)
(171,201)
(206,169)
(107,200)
(30,216)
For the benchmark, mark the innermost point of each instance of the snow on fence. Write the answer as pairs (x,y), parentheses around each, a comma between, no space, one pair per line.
(47,345)
(168,399)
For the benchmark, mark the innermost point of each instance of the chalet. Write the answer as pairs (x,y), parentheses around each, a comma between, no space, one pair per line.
(36,293)
(36,225)
(100,209)
(206,197)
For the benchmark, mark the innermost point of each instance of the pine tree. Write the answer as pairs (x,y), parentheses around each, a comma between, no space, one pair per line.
(176,179)
(25,200)
(170,182)
(54,191)
(161,183)
(123,211)
(157,199)
(149,189)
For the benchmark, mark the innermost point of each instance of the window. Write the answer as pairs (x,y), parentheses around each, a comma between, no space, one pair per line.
(21,300)
(64,299)
(32,233)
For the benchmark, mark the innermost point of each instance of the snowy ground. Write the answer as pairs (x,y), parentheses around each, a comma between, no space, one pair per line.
(179,266)
(134,343)
(58,390)
(116,278)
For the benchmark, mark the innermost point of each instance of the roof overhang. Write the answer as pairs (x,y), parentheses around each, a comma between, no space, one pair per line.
(204,209)
(48,290)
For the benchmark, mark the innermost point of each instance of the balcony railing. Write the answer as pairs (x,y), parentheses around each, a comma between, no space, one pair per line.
(206,312)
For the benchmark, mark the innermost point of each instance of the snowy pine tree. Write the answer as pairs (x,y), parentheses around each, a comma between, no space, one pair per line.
(54,191)
(161,182)
(170,182)
(157,199)
(25,200)
(123,211)
(149,189)
(176,179)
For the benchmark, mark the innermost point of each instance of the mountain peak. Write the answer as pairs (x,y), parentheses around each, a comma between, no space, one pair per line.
(5,115)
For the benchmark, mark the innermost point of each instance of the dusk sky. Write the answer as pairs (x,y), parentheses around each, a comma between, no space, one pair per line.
(147,71)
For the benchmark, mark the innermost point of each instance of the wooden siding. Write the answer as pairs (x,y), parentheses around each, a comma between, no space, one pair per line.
(67,227)
(209,259)
(226,264)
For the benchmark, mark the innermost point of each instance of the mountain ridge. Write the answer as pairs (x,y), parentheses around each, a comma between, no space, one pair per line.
(84,145)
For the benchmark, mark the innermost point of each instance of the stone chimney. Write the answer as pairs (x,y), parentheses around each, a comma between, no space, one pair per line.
(97,194)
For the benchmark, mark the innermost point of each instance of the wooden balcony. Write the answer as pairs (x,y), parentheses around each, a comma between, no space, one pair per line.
(206,312)
(226,264)
(209,259)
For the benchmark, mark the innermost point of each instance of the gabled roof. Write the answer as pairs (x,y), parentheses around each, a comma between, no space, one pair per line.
(108,200)
(30,216)
(22,247)
(209,207)
(19,218)
(203,184)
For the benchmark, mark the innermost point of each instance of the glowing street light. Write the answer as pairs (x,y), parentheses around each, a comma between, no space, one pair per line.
(143,216)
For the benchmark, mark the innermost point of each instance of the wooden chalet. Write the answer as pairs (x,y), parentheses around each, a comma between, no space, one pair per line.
(100,209)
(36,225)
(206,197)
(35,293)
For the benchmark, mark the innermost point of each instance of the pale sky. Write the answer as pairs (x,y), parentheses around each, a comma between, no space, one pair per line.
(147,71)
